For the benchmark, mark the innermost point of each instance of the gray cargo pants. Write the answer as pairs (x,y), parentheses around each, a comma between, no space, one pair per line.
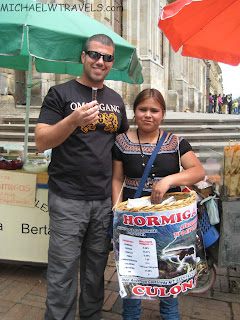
(78,229)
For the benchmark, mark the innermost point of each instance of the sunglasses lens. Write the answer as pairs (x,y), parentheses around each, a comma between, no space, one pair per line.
(96,55)
(108,57)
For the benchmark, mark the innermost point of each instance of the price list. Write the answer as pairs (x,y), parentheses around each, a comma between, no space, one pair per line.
(138,257)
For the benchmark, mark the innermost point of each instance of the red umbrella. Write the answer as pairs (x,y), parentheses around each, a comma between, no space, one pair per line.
(205,29)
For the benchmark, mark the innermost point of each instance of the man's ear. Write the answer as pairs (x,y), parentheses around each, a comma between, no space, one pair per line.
(83,55)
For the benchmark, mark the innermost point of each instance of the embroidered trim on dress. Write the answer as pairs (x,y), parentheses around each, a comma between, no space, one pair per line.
(133,183)
(128,147)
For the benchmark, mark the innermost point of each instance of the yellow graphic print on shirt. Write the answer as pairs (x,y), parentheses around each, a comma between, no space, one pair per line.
(109,120)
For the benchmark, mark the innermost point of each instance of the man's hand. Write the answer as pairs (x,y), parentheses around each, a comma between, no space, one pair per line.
(50,136)
(86,114)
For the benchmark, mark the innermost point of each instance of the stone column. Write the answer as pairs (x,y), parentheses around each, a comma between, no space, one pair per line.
(131,20)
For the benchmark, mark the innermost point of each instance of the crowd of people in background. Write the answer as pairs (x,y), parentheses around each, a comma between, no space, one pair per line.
(223,104)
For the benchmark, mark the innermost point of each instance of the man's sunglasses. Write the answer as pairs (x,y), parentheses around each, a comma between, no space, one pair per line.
(97,55)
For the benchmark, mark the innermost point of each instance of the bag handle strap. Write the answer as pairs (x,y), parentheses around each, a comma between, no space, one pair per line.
(149,165)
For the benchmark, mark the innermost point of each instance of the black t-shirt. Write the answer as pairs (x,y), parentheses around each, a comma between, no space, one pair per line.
(166,162)
(81,167)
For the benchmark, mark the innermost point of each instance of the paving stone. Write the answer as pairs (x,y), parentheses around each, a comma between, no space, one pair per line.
(228,297)
(115,277)
(34,301)
(34,297)
(8,269)
(5,306)
(236,311)
(117,308)
(217,284)
(111,316)
(111,260)
(146,314)
(150,304)
(234,272)
(222,271)
(205,314)
(23,295)
(39,289)
(155,315)
(23,274)
(109,272)
(106,295)
(108,305)
(4,284)
(34,314)
(15,291)
(17,312)
(224,284)
(113,286)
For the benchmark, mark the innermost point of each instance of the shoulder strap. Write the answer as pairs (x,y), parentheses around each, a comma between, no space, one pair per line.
(149,165)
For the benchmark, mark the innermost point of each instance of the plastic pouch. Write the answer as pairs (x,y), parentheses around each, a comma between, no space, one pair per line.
(212,209)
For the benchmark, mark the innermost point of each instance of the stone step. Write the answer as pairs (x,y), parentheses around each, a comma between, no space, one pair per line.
(218,136)
(16,127)
(203,132)
(208,134)
(199,124)
(206,120)
(172,118)
(19,125)
(18,119)
(208,128)
(199,138)
(231,130)
(16,136)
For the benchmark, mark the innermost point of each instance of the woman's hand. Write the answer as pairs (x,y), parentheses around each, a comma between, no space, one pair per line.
(160,189)
(193,172)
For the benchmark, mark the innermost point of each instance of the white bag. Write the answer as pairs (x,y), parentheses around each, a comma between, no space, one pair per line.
(212,209)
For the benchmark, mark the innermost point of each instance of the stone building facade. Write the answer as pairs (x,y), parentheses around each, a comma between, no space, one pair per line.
(183,81)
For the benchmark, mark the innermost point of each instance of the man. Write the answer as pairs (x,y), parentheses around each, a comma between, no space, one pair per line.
(81,135)
(211,102)
(230,103)
(225,104)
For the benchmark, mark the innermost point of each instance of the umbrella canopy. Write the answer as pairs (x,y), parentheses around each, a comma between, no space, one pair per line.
(205,29)
(54,38)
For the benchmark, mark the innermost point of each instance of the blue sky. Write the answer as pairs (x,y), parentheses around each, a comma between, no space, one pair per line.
(231,79)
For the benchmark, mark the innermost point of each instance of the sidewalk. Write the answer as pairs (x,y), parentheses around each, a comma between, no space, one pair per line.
(23,294)
(200,115)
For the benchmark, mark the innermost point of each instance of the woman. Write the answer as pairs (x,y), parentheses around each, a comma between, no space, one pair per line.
(211,103)
(235,105)
(220,102)
(131,154)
